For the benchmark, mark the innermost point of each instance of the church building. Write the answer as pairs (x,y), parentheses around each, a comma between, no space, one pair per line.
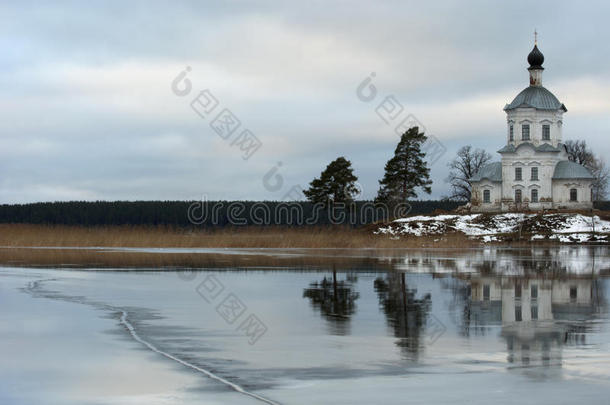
(534,172)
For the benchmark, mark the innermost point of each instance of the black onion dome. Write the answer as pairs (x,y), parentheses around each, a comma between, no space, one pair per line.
(535,58)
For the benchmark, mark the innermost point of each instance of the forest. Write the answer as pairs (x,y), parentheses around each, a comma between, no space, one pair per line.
(211,213)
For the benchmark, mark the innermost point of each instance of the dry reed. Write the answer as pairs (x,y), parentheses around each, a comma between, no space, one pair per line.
(18,240)
(22,235)
(19,244)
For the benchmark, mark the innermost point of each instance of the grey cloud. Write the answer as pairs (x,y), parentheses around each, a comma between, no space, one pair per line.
(86,110)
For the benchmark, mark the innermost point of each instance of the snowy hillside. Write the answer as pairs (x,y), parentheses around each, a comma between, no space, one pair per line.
(488,228)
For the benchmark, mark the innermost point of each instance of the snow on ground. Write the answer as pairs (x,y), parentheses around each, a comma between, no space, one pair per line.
(581,223)
(491,228)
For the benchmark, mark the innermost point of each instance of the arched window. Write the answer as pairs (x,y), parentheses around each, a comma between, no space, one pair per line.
(534,198)
(511,132)
(486,196)
(573,195)
(518,196)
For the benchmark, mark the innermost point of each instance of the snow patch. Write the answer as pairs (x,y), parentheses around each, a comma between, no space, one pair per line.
(567,228)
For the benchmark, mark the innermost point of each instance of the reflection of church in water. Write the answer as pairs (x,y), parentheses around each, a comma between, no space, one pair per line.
(538,315)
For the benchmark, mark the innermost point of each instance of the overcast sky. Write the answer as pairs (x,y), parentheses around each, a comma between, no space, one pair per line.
(87,110)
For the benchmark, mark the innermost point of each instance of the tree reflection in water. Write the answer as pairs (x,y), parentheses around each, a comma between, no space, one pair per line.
(405,313)
(336,301)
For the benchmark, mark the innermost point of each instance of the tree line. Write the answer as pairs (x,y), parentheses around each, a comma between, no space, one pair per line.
(332,197)
(207,213)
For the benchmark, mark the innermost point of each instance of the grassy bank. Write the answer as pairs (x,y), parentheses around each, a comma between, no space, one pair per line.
(15,238)
(21,235)
(54,243)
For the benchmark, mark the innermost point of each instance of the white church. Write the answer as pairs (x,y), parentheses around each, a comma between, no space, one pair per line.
(534,172)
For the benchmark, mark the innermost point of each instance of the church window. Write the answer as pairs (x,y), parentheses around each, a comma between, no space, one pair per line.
(518,173)
(573,194)
(518,196)
(486,196)
(534,195)
(546,132)
(511,132)
(534,173)
(525,132)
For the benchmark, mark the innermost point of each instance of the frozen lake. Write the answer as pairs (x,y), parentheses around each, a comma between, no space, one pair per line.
(474,327)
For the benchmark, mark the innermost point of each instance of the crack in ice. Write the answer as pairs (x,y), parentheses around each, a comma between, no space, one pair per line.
(234,386)
(33,286)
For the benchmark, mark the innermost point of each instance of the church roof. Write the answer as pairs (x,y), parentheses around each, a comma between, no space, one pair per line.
(509,148)
(491,171)
(545,147)
(571,170)
(536,97)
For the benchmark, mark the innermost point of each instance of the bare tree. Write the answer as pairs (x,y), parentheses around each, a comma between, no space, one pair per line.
(579,152)
(465,165)
(602,177)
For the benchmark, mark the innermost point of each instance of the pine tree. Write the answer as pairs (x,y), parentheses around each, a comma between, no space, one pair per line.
(335,184)
(406,170)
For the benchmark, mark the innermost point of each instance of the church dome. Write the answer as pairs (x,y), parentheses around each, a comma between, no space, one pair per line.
(535,58)
(536,97)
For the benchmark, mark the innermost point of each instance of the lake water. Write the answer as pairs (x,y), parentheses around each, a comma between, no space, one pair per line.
(351,327)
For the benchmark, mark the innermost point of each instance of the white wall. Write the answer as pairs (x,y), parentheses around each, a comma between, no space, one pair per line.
(535,118)
(526,158)
(561,193)
(495,195)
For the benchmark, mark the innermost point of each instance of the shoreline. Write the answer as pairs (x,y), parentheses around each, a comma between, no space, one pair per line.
(277,237)
(189,260)
(28,235)
(170,248)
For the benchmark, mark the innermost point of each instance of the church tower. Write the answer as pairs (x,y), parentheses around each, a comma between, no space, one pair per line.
(534,172)
(535,115)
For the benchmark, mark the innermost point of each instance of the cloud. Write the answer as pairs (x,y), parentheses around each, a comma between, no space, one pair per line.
(86,110)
